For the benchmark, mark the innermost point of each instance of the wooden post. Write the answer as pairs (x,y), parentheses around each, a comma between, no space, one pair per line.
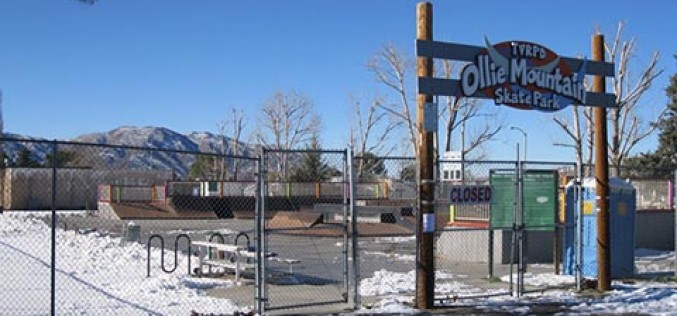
(601,175)
(425,273)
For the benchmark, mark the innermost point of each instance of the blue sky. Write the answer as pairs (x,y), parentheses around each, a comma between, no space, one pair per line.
(67,69)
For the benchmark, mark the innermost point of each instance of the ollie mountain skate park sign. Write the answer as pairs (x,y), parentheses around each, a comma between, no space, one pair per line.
(521,75)
(518,74)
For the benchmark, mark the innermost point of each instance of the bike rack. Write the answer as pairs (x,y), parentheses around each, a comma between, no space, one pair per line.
(223,239)
(162,255)
(246,236)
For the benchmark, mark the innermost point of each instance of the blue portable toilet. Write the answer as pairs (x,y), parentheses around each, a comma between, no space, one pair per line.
(621,229)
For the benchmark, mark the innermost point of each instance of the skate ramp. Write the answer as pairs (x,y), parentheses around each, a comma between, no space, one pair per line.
(156,211)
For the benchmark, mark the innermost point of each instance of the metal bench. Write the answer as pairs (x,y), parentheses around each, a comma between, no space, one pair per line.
(236,261)
(239,260)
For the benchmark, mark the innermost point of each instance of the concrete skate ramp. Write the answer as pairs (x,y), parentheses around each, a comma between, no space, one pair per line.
(156,211)
(284,219)
(312,224)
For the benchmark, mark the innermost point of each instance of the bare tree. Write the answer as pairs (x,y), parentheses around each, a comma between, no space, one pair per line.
(373,131)
(589,141)
(289,120)
(237,123)
(627,129)
(574,132)
(582,137)
(369,124)
(220,162)
(391,69)
(458,112)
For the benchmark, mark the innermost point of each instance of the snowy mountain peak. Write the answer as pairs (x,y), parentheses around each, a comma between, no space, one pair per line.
(145,137)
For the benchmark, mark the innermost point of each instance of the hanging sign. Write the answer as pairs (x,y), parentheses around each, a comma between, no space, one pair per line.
(518,74)
(524,75)
(469,194)
(431,119)
(429,223)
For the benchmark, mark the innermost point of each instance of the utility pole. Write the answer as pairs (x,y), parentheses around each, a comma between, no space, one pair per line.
(425,273)
(601,175)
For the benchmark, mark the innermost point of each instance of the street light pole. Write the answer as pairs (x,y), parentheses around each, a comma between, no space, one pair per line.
(522,235)
(525,139)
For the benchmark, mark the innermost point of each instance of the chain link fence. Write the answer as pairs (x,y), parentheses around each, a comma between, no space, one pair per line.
(152,231)
(386,225)
(120,241)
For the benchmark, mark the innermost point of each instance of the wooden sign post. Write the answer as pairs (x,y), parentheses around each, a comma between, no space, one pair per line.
(425,265)
(601,175)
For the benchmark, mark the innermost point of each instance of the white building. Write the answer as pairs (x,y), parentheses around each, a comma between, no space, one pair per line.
(450,167)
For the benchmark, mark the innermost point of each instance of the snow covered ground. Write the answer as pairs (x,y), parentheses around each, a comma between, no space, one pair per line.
(97,276)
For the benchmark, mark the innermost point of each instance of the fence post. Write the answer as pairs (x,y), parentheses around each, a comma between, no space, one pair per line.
(258,299)
(578,187)
(53,241)
(523,231)
(355,233)
(520,227)
(347,198)
(264,237)
(490,253)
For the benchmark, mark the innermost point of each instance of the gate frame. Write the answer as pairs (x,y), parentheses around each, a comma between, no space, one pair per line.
(350,242)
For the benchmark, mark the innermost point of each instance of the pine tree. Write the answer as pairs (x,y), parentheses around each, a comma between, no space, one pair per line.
(63,158)
(667,141)
(25,159)
(313,168)
(203,169)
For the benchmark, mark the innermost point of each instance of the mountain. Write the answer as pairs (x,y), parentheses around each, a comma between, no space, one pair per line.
(153,138)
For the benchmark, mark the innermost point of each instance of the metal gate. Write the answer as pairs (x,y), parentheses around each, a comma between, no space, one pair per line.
(508,246)
(303,229)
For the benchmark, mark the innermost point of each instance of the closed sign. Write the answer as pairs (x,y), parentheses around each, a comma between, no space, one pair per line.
(470,194)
